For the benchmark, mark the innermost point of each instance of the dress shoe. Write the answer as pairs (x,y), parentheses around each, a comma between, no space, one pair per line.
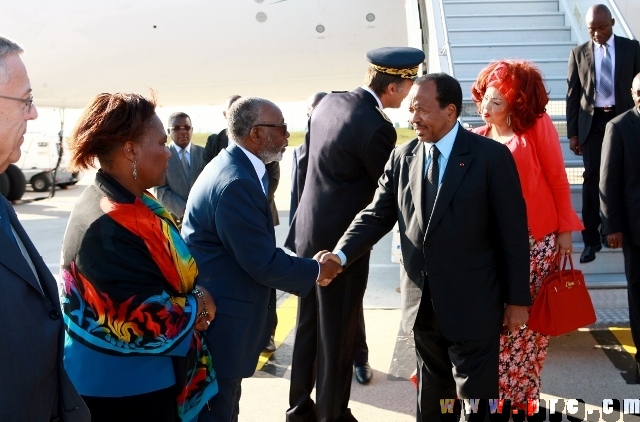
(589,253)
(271,346)
(363,373)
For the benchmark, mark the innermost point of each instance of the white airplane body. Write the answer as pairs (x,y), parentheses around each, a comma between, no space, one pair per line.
(198,52)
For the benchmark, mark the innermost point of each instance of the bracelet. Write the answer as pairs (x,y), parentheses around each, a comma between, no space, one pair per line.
(200,295)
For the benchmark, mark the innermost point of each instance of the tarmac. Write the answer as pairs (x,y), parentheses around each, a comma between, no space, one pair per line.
(592,364)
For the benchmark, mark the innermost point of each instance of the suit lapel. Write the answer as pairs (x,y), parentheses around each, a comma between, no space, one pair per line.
(12,257)
(195,165)
(416,181)
(619,59)
(457,166)
(588,57)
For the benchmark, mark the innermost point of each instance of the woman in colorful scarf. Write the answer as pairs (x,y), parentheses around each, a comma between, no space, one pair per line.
(132,310)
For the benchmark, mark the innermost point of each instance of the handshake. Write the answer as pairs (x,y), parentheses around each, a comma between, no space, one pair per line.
(330,267)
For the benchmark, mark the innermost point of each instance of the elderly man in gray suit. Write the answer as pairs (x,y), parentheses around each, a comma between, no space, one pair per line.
(185,165)
(35,386)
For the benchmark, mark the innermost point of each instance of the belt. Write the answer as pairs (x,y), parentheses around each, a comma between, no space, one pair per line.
(606,109)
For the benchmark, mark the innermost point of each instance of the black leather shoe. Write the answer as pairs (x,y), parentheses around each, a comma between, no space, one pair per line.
(363,373)
(589,253)
(271,346)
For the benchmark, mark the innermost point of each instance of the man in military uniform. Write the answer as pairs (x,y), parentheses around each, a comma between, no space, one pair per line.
(348,143)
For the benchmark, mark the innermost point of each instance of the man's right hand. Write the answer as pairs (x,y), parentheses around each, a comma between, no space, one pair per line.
(574,145)
(329,268)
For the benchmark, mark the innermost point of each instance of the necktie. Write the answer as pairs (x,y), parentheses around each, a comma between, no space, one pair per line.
(432,181)
(606,78)
(265,183)
(185,164)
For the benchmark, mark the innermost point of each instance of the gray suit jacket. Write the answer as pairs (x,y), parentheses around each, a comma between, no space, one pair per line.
(175,191)
(475,250)
(620,177)
(581,83)
(32,339)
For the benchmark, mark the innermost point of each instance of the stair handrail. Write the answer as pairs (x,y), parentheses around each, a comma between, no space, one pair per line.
(446,48)
(575,11)
(620,19)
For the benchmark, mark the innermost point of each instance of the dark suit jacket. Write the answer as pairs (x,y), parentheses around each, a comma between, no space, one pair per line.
(348,141)
(229,230)
(298,172)
(475,250)
(216,143)
(175,191)
(581,83)
(32,339)
(620,176)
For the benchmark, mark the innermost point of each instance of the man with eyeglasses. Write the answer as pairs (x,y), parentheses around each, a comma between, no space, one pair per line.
(218,142)
(35,385)
(185,165)
(229,231)
(348,143)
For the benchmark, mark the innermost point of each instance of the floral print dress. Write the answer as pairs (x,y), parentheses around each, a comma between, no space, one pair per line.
(522,354)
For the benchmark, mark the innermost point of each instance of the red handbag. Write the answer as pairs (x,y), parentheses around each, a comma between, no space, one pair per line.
(563,303)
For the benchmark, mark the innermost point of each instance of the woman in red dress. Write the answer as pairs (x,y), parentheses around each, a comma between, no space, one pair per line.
(511,99)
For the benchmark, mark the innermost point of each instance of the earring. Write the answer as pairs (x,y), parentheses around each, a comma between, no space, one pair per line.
(509,120)
(135,170)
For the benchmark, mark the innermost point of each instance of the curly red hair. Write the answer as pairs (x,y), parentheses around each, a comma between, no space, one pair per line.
(520,83)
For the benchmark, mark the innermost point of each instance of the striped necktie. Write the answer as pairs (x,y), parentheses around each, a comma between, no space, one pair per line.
(185,165)
(432,182)
(606,77)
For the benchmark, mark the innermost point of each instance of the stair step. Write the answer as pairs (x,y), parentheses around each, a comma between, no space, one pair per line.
(608,261)
(490,35)
(605,281)
(481,7)
(548,67)
(521,50)
(553,84)
(507,20)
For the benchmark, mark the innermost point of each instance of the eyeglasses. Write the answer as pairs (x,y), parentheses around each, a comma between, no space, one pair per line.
(282,126)
(28,102)
(180,127)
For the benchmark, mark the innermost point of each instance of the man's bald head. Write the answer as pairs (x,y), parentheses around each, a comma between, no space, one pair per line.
(313,101)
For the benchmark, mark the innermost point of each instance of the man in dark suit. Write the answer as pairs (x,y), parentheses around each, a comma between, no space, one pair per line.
(185,165)
(599,77)
(229,230)
(35,385)
(620,200)
(218,142)
(465,254)
(348,141)
(361,365)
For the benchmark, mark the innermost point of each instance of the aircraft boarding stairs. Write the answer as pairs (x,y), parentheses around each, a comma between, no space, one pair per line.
(479,31)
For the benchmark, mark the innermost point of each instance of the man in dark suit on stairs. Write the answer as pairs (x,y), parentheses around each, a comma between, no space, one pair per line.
(599,77)
(620,201)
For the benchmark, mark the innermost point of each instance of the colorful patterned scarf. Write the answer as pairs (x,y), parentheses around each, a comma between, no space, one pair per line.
(151,325)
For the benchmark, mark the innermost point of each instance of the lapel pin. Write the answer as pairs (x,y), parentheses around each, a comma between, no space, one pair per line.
(461,164)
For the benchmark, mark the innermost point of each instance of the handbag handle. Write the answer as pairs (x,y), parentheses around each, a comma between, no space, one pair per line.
(567,257)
